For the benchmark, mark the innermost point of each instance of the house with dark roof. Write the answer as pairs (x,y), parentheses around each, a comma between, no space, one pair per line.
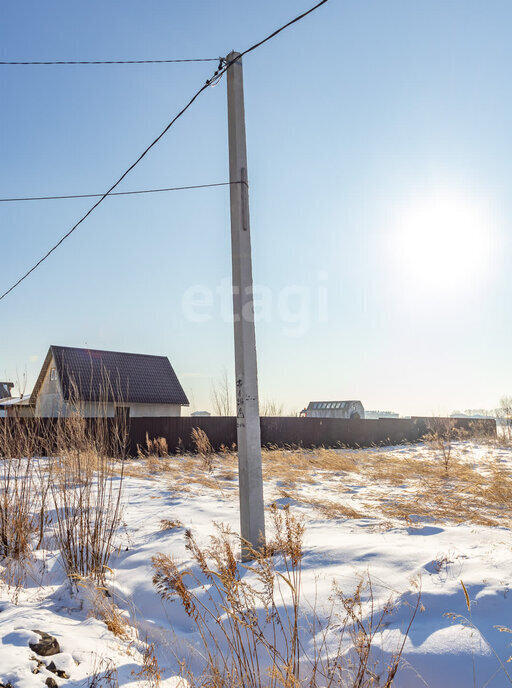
(107,384)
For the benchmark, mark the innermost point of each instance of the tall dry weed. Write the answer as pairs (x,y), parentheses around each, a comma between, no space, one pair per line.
(255,630)
(23,497)
(86,489)
(442,433)
(86,493)
(203,447)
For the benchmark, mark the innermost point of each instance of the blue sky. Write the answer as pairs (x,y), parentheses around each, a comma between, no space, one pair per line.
(378,140)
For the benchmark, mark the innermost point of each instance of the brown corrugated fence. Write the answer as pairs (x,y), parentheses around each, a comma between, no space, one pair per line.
(275,431)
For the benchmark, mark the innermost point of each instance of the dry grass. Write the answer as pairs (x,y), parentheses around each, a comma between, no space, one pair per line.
(203,447)
(416,487)
(86,490)
(150,671)
(24,486)
(170,525)
(254,629)
(103,607)
(331,509)
(17,518)
(104,675)
(297,465)
(445,480)
(78,480)
(185,472)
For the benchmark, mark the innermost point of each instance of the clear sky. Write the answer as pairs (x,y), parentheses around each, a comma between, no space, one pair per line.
(379,144)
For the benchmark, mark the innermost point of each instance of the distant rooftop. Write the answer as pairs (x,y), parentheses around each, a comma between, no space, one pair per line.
(16,401)
(331,404)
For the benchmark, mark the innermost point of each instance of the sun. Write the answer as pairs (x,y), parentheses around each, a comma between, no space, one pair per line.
(443,242)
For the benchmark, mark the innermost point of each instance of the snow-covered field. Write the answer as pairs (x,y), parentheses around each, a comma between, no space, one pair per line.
(392,514)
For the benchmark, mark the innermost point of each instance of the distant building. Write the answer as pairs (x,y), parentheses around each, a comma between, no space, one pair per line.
(473,414)
(201,413)
(381,414)
(5,390)
(334,409)
(106,383)
(16,407)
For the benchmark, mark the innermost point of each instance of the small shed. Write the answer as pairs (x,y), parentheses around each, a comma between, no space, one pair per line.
(334,409)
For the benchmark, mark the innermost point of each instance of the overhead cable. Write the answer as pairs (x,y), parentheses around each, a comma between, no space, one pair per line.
(217,75)
(112,62)
(118,193)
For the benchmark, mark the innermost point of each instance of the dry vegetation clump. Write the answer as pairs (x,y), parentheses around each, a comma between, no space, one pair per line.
(17,519)
(155,454)
(184,470)
(77,478)
(203,447)
(157,446)
(104,674)
(23,491)
(165,524)
(103,607)
(442,433)
(296,464)
(255,630)
(331,509)
(86,491)
(469,493)
(150,671)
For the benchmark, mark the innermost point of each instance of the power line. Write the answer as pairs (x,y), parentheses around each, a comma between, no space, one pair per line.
(119,193)
(216,76)
(277,31)
(112,62)
(114,185)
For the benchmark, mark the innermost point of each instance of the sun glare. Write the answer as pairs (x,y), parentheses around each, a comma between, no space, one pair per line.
(443,243)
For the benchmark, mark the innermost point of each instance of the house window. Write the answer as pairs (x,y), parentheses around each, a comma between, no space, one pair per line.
(53,374)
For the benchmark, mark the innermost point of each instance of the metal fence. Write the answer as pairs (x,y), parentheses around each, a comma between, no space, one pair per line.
(275,431)
(281,431)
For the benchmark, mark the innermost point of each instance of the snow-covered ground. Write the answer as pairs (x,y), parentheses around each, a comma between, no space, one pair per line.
(387,513)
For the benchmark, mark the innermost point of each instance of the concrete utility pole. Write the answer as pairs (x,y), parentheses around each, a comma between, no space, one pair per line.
(252,510)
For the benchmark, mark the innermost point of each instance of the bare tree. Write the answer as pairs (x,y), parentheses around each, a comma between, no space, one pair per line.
(21,383)
(270,407)
(222,401)
(504,413)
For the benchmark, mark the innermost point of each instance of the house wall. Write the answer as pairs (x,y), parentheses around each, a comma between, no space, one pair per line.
(90,409)
(50,401)
(154,410)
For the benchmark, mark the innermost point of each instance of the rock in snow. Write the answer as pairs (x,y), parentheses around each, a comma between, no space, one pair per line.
(47,646)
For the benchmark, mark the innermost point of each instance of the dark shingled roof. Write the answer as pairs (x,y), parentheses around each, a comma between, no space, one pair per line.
(94,375)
